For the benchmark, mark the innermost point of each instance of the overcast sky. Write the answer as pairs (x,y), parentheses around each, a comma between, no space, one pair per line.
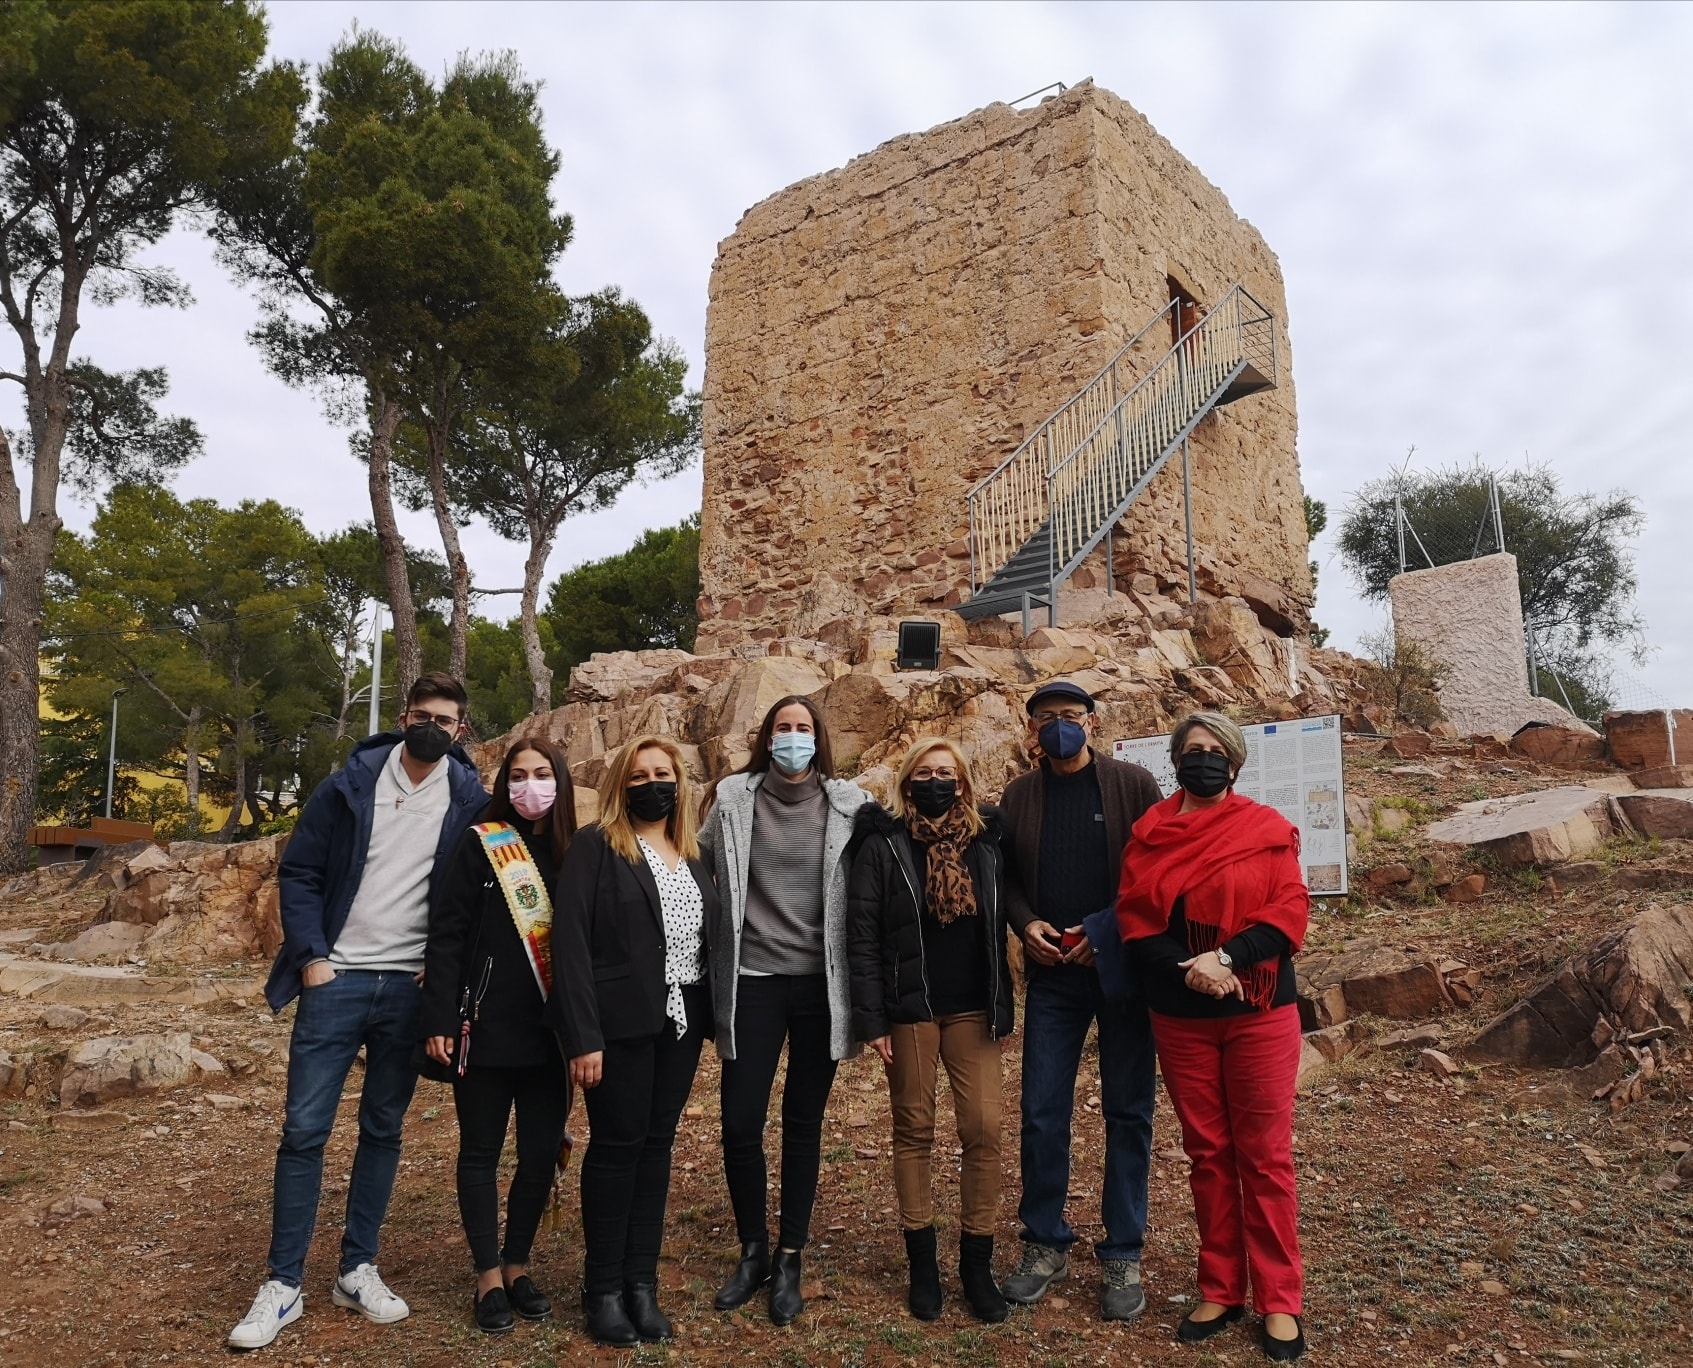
(1484,216)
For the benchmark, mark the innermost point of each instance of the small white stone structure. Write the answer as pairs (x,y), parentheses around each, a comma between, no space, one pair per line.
(1469,617)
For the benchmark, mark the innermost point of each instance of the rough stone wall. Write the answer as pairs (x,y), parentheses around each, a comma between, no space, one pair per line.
(881,336)
(1469,616)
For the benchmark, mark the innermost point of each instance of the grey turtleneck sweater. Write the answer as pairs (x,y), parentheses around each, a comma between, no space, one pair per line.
(783,932)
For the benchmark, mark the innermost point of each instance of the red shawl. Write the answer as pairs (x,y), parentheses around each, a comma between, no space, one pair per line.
(1237,864)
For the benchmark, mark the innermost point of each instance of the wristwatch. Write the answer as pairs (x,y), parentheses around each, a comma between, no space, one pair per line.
(1224,959)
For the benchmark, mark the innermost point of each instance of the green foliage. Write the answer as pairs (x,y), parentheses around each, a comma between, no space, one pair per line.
(495,676)
(1403,678)
(646,597)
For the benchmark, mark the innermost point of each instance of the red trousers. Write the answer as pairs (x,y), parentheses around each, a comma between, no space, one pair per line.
(1231,1080)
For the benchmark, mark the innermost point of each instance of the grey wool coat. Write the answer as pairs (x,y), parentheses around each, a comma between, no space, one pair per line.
(727,843)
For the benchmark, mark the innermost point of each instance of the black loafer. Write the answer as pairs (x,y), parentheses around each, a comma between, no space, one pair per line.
(493,1312)
(640,1301)
(528,1300)
(750,1274)
(1191,1331)
(607,1321)
(1285,1351)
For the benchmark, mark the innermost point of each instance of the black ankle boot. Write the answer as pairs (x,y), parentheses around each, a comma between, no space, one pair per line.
(640,1303)
(975,1271)
(925,1297)
(785,1300)
(607,1321)
(750,1274)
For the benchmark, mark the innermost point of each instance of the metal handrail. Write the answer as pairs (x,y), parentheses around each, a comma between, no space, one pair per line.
(1107,461)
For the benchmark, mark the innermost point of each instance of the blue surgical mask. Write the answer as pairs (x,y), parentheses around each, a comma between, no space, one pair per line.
(792,752)
(1063,740)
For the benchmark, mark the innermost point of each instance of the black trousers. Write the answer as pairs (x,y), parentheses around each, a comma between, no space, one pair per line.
(769,1010)
(632,1116)
(484,1099)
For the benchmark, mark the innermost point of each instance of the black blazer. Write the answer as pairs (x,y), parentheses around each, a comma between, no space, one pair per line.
(608,946)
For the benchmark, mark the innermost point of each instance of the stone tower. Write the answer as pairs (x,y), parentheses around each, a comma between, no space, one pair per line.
(882,336)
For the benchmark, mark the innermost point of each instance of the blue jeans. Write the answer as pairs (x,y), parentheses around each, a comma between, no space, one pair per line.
(1063,1001)
(377,1010)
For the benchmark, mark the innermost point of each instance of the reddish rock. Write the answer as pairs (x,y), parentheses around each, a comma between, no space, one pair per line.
(1386,876)
(1567,747)
(1467,889)
(1438,1063)
(1375,979)
(1664,777)
(1643,740)
(1663,813)
(1634,976)
(1411,745)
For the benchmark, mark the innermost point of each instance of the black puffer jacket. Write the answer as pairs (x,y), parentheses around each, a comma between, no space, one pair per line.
(885,950)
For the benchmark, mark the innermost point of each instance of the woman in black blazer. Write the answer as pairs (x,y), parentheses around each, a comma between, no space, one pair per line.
(632,1004)
(480,972)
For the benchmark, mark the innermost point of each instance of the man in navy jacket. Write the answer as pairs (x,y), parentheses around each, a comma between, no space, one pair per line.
(356,881)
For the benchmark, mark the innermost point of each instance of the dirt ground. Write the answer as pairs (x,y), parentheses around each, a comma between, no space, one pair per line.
(1491,1219)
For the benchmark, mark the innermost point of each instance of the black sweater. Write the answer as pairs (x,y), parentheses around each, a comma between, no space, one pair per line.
(473,942)
(1156,961)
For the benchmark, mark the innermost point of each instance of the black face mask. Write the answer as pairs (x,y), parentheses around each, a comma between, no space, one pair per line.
(1204,774)
(426,743)
(652,801)
(932,797)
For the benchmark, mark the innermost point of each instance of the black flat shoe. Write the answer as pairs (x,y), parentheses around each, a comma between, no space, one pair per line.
(607,1321)
(493,1312)
(527,1299)
(640,1301)
(785,1300)
(1191,1331)
(1285,1351)
(750,1274)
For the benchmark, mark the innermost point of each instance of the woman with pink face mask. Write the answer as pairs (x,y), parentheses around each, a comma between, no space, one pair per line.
(487,975)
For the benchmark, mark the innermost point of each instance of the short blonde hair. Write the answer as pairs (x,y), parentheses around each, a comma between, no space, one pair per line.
(966,781)
(681,826)
(1225,729)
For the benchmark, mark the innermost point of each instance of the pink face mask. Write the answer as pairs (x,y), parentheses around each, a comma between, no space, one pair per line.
(533,797)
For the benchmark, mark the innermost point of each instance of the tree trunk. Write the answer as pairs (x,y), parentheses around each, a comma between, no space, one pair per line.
(232,822)
(540,673)
(408,650)
(26,549)
(191,768)
(457,566)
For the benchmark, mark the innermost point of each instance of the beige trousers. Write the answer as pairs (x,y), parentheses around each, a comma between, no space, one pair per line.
(971,1056)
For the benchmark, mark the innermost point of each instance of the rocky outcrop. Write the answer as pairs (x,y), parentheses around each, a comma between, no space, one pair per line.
(1560,747)
(1632,981)
(99,1071)
(1664,814)
(203,901)
(1650,740)
(1540,828)
(1367,978)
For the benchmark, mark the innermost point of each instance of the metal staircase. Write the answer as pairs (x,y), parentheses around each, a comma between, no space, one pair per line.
(1038,515)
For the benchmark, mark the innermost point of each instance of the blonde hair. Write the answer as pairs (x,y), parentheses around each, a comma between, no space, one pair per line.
(681,826)
(1223,728)
(966,781)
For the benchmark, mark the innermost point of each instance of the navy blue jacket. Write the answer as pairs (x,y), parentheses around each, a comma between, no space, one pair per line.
(324,859)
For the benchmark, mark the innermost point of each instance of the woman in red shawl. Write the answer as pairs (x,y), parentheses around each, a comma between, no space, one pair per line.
(1212,907)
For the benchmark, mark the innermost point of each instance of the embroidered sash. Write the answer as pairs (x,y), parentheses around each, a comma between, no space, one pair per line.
(526,896)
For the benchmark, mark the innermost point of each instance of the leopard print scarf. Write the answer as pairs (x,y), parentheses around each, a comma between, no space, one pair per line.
(947,887)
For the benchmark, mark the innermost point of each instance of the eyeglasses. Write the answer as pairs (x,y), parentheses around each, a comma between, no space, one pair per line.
(925,772)
(1062,715)
(446,724)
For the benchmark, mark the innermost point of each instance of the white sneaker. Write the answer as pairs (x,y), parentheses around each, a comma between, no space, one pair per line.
(277,1305)
(363,1291)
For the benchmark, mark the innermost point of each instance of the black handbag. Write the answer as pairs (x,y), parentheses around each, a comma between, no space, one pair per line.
(432,1069)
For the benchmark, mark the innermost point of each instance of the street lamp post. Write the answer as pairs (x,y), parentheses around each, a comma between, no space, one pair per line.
(112,752)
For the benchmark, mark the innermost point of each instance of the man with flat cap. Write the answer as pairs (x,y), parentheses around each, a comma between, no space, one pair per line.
(1069,820)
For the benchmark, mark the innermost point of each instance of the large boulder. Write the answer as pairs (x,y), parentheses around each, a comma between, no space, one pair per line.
(738,704)
(1229,636)
(1647,740)
(1635,977)
(1368,977)
(1544,827)
(98,1071)
(1566,747)
(1664,813)
(209,901)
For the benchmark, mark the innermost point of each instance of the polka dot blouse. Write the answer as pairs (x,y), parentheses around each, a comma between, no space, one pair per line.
(683,912)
